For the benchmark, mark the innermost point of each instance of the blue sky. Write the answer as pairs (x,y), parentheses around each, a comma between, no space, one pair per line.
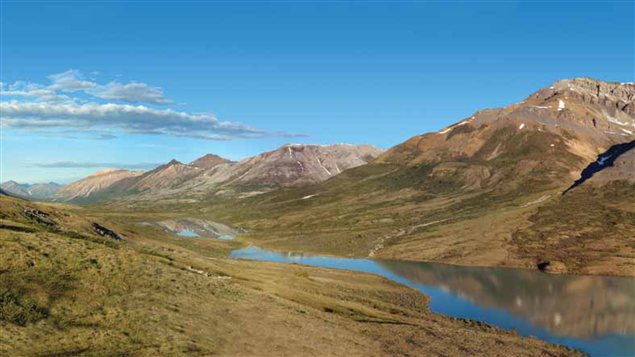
(88,85)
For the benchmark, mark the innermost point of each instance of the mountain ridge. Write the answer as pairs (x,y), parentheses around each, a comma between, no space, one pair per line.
(485,191)
(212,174)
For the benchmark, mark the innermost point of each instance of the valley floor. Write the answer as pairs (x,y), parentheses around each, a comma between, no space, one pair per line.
(587,231)
(66,290)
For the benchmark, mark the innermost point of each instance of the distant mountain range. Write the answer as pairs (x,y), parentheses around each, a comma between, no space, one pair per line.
(38,191)
(288,166)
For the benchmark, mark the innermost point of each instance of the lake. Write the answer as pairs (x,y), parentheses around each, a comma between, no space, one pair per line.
(594,314)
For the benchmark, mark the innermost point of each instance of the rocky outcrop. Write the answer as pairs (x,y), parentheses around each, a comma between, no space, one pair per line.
(610,94)
(105,232)
(40,217)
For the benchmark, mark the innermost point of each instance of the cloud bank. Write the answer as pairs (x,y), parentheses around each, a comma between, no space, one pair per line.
(62,106)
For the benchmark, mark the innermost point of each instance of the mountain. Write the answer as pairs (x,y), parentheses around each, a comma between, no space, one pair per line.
(556,131)
(296,164)
(38,191)
(291,165)
(485,191)
(92,187)
(209,161)
(162,177)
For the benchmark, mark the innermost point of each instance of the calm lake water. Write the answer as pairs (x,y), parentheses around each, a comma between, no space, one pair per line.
(593,314)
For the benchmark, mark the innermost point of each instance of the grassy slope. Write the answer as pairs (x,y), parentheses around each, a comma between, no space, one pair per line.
(418,214)
(591,229)
(66,291)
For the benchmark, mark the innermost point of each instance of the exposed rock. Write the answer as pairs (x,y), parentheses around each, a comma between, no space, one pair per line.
(38,216)
(105,232)
(542,265)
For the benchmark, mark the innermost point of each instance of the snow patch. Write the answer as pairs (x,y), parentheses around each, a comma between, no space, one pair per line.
(455,126)
(309,196)
(627,131)
(603,159)
(561,105)
(521,126)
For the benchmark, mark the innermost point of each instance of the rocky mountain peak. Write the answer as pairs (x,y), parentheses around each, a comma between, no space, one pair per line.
(592,87)
(611,97)
(209,161)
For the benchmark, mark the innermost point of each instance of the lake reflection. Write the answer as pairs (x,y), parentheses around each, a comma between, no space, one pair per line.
(592,313)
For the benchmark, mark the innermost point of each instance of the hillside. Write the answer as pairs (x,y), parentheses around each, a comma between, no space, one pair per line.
(487,191)
(76,283)
(91,187)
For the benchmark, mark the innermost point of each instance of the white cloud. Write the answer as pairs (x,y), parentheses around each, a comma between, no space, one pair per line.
(26,90)
(129,118)
(46,109)
(133,92)
(70,81)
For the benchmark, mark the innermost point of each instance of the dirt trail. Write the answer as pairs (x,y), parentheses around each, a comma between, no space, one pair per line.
(382,240)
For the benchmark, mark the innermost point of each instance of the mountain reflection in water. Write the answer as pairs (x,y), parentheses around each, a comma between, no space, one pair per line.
(565,305)
(595,314)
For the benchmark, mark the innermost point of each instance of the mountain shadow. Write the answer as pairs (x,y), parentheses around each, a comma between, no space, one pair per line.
(604,160)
